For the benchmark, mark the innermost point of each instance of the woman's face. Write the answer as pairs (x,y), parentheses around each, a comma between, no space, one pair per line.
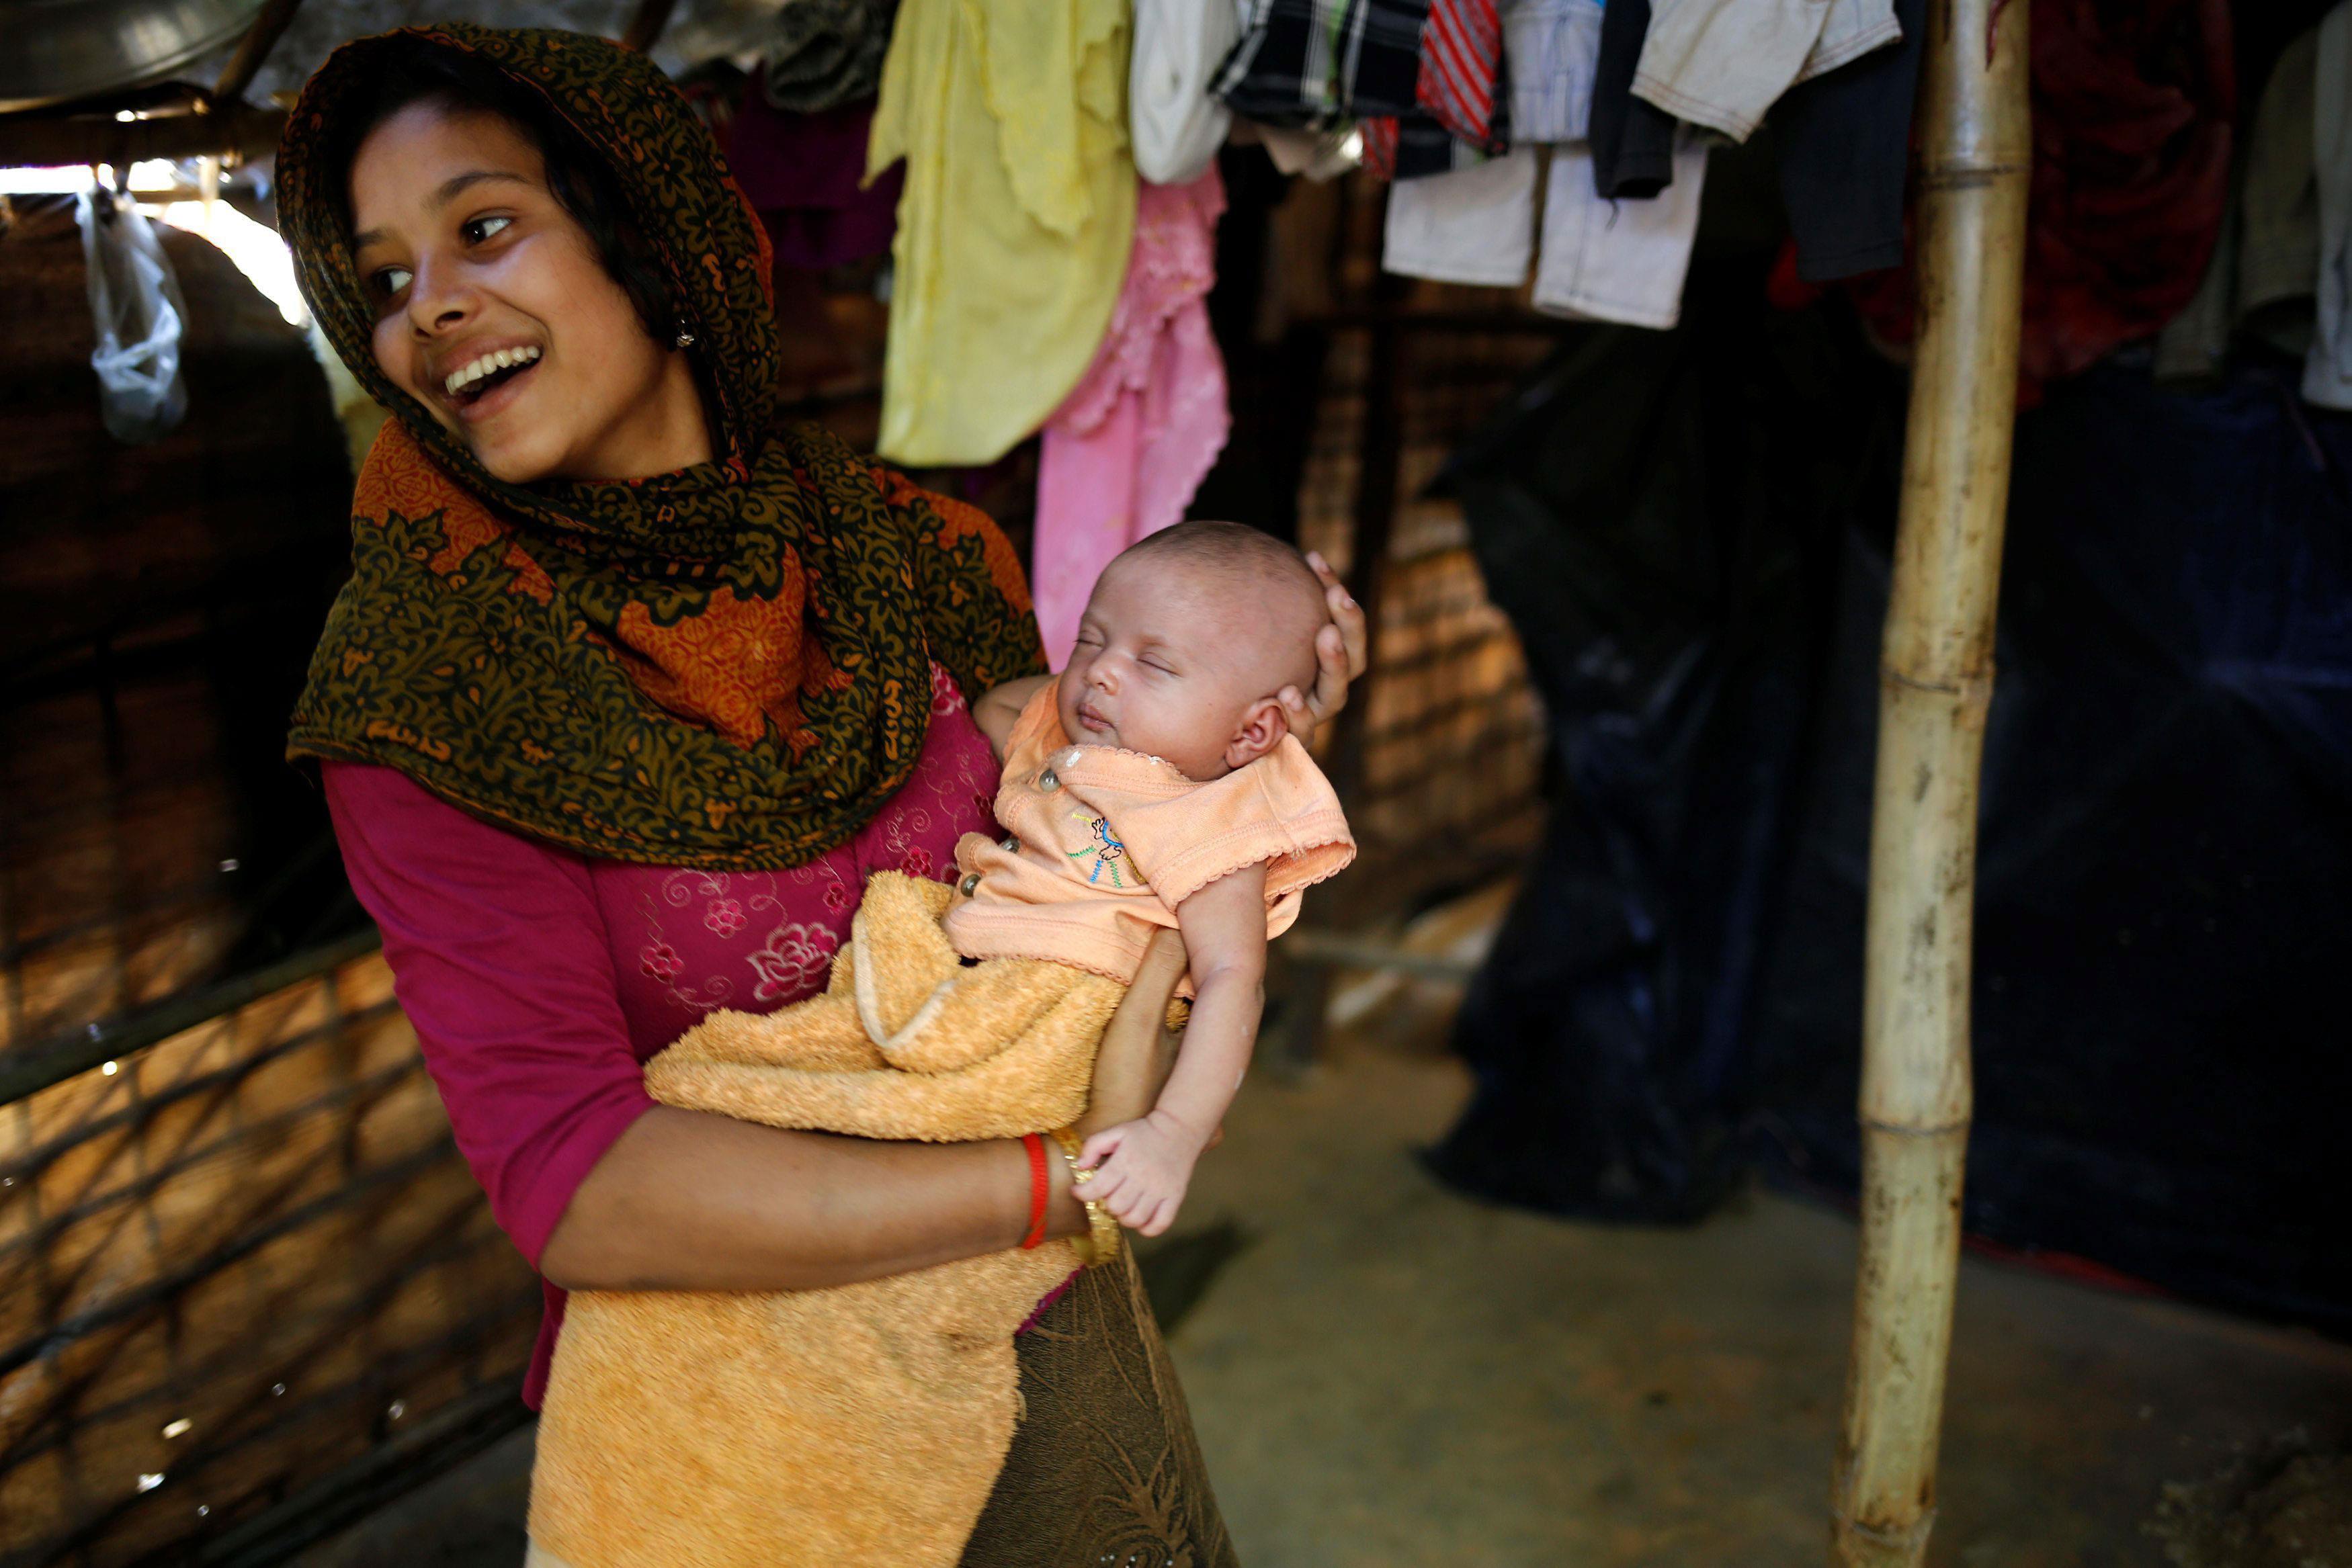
(494,310)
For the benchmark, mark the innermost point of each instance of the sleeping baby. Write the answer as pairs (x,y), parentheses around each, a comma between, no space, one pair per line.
(1155,782)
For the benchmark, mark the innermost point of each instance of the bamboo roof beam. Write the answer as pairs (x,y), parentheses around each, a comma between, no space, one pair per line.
(235,131)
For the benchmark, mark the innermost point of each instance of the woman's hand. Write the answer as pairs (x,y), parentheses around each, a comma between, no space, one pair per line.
(1341,650)
(1138,1049)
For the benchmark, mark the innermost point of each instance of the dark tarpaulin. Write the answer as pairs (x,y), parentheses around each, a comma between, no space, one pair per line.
(1690,532)
(1653,512)
(2163,886)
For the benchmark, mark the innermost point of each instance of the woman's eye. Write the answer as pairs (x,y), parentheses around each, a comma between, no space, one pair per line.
(390,280)
(481,229)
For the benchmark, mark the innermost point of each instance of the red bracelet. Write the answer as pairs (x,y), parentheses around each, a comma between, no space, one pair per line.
(1039,1190)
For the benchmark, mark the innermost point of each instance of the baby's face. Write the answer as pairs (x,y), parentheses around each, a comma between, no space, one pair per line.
(1178,663)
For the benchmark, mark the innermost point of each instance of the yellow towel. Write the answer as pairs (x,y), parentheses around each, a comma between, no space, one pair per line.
(863,1424)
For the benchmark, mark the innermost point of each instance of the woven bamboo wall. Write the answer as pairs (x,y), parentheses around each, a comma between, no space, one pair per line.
(231,1265)
(240,1260)
(161,601)
(1453,736)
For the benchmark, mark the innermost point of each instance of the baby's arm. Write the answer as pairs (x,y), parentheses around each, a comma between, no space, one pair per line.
(997,712)
(1144,1166)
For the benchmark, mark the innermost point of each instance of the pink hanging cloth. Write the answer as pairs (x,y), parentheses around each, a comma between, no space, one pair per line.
(1143,426)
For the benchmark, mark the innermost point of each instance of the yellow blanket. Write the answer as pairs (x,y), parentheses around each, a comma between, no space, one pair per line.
(858,1425)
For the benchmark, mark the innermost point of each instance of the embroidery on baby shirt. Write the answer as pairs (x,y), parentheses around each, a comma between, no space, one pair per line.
(1105,849)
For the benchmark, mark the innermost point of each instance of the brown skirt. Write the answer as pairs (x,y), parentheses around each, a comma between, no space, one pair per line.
(1104,1471)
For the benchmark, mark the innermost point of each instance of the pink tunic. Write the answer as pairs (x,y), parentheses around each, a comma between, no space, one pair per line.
(539,981)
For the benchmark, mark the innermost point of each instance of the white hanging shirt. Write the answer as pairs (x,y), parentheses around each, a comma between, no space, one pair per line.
(1175,124)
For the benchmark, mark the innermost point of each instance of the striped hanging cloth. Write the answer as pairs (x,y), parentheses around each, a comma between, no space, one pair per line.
(1461,83)
(1461,114)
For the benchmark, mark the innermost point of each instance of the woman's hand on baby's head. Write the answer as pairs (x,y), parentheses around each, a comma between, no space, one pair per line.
(1343,649)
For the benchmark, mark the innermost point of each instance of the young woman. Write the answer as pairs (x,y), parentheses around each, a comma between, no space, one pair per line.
(628,692)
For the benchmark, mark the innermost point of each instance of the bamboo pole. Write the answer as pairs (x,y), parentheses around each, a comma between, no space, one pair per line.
(1936,682)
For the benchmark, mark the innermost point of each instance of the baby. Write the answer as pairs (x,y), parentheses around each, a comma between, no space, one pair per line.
(1155,782)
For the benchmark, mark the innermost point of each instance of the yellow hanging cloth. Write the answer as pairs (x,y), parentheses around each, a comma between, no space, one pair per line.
(1018,212)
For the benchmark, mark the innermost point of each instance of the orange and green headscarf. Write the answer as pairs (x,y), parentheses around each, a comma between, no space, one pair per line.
(727,666)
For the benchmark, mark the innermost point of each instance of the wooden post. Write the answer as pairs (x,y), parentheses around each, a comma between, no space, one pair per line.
(1936,682)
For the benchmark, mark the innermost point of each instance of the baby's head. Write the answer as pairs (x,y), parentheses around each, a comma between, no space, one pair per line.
(1188,639)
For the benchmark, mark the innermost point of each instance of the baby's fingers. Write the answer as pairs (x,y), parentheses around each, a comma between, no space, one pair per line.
(1104,1184)
(1131,1203)
(1101,1146)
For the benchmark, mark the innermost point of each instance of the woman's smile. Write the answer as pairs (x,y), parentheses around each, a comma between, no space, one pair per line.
(486,377)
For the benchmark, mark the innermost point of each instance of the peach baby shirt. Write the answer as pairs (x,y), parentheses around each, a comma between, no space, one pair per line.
(1106,844)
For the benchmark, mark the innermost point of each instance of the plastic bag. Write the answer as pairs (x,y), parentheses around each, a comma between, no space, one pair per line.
(134,302)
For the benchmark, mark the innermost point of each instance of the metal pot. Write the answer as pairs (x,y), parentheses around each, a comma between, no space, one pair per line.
(63,49)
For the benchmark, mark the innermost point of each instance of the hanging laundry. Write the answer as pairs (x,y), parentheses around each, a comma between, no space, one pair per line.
(1125,451)
(1019,207)
(1319,155)
(826,53)
(2132,126)
(1461,113)
(2327,369)
(1722,63)
(1844,142)
(805,173)
(1633,140)
(1310,64)
(2265,275)
(1854,29)
(1415,147)
(1600,260)
(1618,261)
(1177,125)
(1475,226)
(1554,50)
(1462,84)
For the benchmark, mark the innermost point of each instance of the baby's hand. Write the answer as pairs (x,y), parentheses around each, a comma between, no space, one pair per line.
(1140,1170)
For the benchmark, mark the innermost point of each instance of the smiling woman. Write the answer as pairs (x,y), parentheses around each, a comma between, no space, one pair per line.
(630,690)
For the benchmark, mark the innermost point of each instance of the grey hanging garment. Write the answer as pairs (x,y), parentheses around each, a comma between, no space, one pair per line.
(825,53)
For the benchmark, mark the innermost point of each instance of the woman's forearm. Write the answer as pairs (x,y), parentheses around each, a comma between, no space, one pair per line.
(688,1201)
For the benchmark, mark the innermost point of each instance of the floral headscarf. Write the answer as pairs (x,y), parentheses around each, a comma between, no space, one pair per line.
(727,666)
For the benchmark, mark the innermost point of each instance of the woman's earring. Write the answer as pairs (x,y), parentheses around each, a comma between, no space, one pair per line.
(684,339)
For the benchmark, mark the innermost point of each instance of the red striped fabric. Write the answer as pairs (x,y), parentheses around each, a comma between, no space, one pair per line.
(1461,68)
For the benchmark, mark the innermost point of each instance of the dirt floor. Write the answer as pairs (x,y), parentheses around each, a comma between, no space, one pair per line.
(1387,1376)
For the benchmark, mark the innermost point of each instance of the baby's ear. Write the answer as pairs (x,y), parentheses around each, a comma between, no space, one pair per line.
(1263,726)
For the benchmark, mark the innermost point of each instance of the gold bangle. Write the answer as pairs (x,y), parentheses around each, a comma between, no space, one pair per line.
(1100,1244)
